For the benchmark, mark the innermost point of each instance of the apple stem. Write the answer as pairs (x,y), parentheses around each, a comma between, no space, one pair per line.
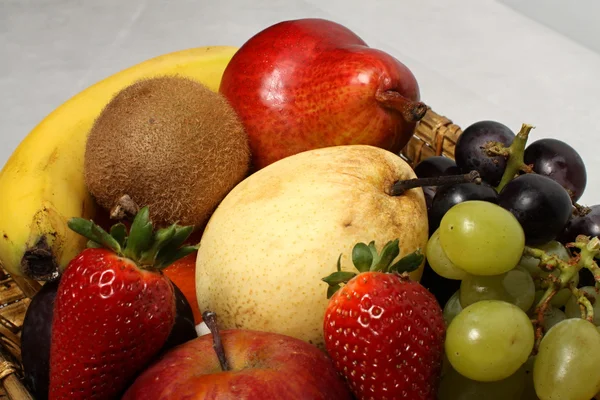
(412,111)
(402,186)
(210,318)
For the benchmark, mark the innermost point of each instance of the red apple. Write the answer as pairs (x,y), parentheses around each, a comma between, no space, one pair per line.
(310,83)
(262,365)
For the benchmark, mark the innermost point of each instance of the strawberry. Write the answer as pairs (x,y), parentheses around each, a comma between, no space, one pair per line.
(114,308)
(384,332)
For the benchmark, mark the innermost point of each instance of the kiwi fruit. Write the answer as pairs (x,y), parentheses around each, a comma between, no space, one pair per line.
(168,143)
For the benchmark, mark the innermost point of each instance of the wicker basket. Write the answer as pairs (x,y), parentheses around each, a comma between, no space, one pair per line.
(434,135)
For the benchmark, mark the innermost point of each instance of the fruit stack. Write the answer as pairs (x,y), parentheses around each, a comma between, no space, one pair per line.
(247,224)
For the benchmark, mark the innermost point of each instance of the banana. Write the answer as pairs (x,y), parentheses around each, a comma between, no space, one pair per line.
(42,184)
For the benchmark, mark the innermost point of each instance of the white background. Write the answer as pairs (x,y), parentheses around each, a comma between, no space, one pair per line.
(474,59)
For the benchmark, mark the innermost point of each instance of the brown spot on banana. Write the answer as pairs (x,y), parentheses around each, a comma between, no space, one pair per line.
(43,250)
(38,261)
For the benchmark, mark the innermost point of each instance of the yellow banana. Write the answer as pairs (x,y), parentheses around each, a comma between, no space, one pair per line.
(42,184)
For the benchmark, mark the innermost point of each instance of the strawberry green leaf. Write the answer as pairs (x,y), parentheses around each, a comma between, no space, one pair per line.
(332,289)
(93,245)
(140,235)
(94,233)
(373,250)
(362,257)
(338,277)
(172,257)
(105,239)
(170,247)
(408,263)
(389,252)
(119,233)
(161,238)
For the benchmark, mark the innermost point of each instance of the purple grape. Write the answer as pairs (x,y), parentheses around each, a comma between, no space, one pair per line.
(436,166)
(450,195)
(428,192)
(588,225)
(559,161)
(432,167)
(540,204)
(471,155)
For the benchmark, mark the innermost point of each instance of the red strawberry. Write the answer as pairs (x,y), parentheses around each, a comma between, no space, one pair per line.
(114,308)
(384,332)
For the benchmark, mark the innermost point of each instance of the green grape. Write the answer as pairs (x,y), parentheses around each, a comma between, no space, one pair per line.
(552,316)
(515,286)
(572,309)
(529,390)
(489,340)
(438,260)
(566,366)
(454,386)
(481,238)
(553,247)
(452,308)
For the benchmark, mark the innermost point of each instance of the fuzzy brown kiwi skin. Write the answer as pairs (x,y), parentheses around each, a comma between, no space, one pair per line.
(171,144)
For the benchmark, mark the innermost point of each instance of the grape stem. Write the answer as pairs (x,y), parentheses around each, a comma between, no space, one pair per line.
(541,309)
(589,249)
(587,310)
(515,153)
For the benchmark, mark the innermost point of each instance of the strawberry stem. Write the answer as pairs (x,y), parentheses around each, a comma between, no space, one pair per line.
(156,250)
(366,258)
(210,318)
(140,235)
(94,233)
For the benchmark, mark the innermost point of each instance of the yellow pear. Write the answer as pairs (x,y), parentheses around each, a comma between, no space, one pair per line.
(282,229)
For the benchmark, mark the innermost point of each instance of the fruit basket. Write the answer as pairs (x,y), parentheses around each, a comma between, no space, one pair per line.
(434,135)
(490,232)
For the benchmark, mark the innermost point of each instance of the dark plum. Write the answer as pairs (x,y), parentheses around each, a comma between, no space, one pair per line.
(557,160)
(470,153)
(37,333)
(436,166)
(184,328)
(588,225)
(35,340)
(450,195)
(540,204)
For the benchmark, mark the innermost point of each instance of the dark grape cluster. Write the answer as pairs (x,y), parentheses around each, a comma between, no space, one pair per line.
(541,194)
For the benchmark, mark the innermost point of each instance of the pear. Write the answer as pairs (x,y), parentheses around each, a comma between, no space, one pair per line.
(273,238)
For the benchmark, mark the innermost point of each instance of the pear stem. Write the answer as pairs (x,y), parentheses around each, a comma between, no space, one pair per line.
(412,111)
(402,186)
(210,318)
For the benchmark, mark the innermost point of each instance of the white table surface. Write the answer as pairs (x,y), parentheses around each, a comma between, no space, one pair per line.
(474,59)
